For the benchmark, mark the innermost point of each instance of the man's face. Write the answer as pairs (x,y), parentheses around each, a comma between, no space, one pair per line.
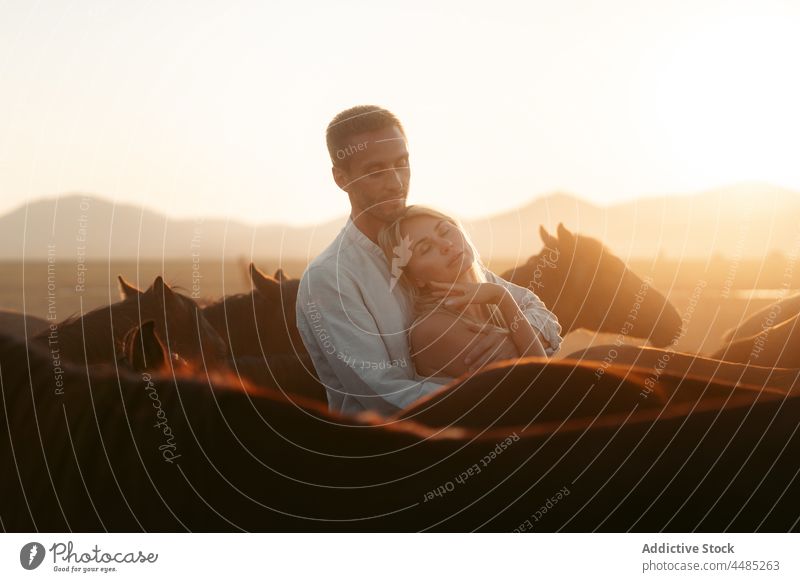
(375,172)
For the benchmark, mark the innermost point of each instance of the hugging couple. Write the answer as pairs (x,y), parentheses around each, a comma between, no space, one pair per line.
(399,304)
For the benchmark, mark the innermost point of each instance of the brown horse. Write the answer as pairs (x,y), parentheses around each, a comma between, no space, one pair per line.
(21,324)
(657,361)
(770,316)
(287,374)
(259,333)
(536,390)
(586,286)
(142,452)
(776,346)
(97,337)
(261,322)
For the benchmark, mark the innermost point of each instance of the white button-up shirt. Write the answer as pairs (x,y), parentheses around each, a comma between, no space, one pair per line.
(356,330)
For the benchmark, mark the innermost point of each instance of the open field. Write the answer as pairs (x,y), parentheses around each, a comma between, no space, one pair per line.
(725,292)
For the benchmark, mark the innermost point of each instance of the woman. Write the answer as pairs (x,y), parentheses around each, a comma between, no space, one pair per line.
(433,260)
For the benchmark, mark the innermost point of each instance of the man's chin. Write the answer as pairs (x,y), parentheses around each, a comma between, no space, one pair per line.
(390,210)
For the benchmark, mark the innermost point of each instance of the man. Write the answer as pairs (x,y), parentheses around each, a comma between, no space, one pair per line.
(353,324)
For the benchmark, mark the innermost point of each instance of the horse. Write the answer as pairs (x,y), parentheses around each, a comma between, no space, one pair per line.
(97,336)
(21,324)
(289,374)
(154,452)
(776,346)
(263,341)
(586,286)
(262,322)
(658,361)
(533,389)
(771,315)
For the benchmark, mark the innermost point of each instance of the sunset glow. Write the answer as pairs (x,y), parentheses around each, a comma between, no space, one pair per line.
(220,111)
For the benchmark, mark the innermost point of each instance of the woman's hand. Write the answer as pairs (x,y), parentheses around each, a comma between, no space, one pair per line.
(461,294)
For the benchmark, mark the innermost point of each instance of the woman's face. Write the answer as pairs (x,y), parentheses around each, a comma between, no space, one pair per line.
(439,251)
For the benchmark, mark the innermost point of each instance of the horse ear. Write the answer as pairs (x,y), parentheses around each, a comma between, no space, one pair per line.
(127,290)
(256,273)
(268,287)
(162,290)
(548,239)
(280,275)
(565,235)
(144,349)
(148,351)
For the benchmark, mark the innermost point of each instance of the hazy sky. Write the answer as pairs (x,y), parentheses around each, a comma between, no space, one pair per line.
(219,108)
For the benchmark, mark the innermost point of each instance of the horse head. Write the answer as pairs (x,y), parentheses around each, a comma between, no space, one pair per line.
(179,321)
(278,298)
(586,286)
(261,322)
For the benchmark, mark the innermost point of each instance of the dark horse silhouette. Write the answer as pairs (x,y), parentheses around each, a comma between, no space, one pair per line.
(586,286)
(150,452)
(262,321)
(98,336)
(257,323)
(21,324)
(535,390)
(260,332)
(288,374)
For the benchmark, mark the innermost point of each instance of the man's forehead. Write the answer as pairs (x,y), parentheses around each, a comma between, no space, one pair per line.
(376,144)
(385,135)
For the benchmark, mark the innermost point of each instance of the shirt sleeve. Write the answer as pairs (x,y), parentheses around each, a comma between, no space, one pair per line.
(348,341)
(534,310)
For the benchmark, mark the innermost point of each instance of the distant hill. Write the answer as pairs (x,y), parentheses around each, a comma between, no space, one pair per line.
(124,231)
(747,220)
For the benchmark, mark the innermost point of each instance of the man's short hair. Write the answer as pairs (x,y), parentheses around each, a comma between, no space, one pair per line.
(353,121)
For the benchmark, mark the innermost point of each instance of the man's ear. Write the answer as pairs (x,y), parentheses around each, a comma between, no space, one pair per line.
(341,177)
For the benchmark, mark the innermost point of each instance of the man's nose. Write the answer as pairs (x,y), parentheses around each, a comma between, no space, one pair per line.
(396,179)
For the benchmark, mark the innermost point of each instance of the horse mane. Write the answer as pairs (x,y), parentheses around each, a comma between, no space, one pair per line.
(223,304)
(238,307)
(77,332)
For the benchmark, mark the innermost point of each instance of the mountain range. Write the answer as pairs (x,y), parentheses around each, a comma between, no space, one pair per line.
(745,220)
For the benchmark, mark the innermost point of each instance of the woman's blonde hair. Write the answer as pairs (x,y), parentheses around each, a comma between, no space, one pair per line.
(390,240)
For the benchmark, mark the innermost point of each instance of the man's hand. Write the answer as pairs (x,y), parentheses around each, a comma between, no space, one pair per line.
(492,346)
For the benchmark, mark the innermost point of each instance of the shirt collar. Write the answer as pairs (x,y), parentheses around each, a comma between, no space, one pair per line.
(352,233)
